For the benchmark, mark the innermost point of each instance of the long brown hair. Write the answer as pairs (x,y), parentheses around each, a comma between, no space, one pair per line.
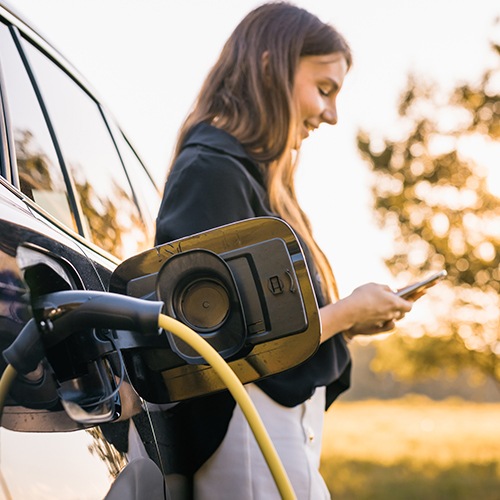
(248,93)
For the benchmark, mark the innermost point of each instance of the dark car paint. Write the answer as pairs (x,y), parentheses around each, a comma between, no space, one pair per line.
(39,456)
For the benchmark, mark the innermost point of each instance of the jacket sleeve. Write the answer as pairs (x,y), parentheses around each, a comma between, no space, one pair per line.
(204,190)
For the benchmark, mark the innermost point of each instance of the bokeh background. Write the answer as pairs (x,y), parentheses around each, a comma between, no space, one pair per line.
(408,182)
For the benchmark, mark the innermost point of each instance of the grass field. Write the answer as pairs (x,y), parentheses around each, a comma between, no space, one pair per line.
(412,448)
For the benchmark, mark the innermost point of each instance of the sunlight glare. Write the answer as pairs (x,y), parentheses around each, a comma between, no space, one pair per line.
(486,153)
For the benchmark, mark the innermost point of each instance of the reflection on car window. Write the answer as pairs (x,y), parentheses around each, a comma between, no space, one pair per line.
(40,176)
(112,216)
(148,197)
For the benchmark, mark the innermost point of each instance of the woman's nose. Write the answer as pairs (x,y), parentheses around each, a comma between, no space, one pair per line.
(329,114)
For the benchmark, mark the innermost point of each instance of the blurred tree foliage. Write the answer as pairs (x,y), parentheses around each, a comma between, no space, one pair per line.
(115,461)
(433,196)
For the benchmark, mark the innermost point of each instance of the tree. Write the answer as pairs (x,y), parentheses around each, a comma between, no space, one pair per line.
(434,197)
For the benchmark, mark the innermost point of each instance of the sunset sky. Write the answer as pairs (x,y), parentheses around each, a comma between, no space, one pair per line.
(147,58)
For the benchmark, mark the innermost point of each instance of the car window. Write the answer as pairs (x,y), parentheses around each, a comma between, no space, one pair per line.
(40,176)
(111,215)
(149,196)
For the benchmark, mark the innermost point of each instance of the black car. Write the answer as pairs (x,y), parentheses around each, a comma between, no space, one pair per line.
(75,200)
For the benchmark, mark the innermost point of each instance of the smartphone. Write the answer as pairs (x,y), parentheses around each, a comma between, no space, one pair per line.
(415,288)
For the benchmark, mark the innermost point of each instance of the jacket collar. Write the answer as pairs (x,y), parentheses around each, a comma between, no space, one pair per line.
(206,135)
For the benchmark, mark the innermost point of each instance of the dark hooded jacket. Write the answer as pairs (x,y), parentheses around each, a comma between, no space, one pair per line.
(215,182)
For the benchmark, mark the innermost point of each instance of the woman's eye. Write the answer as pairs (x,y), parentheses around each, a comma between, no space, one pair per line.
(324,92)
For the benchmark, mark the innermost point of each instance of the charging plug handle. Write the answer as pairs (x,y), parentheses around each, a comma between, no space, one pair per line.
(74,310)
(69,311)
(26,351)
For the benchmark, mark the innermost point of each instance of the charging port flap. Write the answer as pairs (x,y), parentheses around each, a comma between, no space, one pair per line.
(245,287)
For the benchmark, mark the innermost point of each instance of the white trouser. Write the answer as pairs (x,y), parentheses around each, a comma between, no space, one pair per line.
(238,470)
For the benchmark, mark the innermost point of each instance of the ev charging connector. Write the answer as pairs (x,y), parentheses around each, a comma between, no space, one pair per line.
(74,330)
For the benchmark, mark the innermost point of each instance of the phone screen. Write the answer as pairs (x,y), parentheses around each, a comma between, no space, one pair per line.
(415,288)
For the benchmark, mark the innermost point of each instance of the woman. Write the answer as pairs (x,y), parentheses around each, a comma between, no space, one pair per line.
(276,80)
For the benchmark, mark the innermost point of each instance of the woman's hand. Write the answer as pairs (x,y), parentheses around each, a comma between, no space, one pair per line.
(371,308)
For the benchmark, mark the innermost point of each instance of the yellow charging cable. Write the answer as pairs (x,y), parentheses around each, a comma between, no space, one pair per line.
(8,376)
(235,387)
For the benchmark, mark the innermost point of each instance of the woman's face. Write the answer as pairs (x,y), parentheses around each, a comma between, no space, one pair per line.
(317,83)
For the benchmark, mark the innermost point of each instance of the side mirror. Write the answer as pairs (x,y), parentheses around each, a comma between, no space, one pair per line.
(244,287)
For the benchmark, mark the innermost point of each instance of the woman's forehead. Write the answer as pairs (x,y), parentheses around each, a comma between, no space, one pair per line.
(333,66)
